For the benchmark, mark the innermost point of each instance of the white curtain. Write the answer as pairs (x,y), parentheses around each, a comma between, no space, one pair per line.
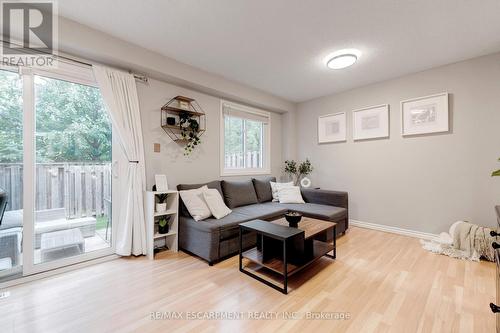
(119,92)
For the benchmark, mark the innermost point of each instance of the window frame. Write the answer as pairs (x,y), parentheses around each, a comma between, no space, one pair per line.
(266,142)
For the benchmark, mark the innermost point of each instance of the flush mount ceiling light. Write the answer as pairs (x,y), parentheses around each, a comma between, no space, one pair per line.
(342,59)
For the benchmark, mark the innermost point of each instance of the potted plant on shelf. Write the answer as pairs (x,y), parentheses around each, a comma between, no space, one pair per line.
(190,130)
(163,226)
(161,205)
(298,170)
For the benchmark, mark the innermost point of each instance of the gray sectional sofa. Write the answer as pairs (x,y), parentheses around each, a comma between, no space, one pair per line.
(215,240)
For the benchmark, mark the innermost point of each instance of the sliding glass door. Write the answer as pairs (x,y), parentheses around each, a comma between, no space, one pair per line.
(60,182)
(73,149)
(11,174)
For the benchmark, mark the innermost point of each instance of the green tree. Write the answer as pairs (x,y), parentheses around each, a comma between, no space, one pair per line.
(11,118)
(71,122)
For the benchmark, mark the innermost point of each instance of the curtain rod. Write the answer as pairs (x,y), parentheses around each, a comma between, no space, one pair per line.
(139,77)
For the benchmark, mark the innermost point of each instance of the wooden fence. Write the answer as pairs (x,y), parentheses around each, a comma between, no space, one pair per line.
(82,189)
(237,161)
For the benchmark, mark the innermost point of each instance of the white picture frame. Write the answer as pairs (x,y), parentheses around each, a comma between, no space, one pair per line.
(425,115)
(332,128)
(161,183)
(370,122)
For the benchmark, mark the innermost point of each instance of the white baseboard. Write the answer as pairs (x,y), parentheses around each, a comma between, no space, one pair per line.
(394,230)
(56,271)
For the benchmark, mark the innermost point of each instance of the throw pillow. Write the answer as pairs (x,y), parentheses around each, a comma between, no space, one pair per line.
(290,195)
(195,203)
(275,187)
(239,193)
(263,188)
(216,203)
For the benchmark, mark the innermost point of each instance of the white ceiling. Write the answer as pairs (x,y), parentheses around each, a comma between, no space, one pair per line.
(278,45)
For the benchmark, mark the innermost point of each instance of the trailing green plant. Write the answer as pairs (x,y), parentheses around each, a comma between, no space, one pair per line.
(190,129)
(496,173)
(298,170)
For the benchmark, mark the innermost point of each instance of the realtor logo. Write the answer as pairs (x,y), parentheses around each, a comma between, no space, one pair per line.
(29,31)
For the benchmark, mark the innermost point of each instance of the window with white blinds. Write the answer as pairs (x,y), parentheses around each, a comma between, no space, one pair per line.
(245,140)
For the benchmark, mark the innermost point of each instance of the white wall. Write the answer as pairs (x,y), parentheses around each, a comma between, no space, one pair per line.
(420,183)
(169,78)
(88,43)
(203,164)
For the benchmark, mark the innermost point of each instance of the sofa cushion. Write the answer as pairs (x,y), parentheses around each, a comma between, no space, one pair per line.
(239,193)
(290,195)
(215,203)
(263,211)
(195,203)
(317,211)
(12,219)
(227,226)
(183,187)
(263,188)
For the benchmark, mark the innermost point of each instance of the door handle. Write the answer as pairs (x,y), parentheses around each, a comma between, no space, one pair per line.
(494,233)
(495,245)
(494,308)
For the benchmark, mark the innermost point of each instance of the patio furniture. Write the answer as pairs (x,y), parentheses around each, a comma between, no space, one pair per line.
(49,221)
(10,235)
(3,204)
(5,264)
(61,240)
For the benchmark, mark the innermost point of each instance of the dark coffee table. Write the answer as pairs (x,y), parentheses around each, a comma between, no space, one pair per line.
(285,250)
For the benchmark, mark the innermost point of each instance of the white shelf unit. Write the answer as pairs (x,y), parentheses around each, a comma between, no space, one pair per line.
(170,239)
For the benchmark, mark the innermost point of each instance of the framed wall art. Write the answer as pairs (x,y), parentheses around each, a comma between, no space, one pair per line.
(425,115)
(371,122)
(332,128)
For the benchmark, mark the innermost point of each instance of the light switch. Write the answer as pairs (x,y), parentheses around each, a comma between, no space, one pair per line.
(156,148)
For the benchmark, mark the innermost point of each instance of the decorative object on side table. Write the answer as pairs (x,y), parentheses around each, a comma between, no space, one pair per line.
(424,115)
(161,183)
(305,182)
(371,122)
(332,128)
(293,218)
(191,125)
(163,226)
(298,170)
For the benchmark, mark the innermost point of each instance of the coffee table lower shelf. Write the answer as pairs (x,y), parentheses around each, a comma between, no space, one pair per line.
(277,265)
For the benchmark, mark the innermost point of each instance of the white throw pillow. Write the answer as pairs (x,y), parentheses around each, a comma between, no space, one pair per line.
(216,203)
(289,195)
(275,187)
(195,203)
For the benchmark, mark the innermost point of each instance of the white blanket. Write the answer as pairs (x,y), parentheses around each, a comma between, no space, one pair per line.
(465,241)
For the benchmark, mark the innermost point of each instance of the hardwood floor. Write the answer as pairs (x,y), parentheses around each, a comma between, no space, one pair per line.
(384,282)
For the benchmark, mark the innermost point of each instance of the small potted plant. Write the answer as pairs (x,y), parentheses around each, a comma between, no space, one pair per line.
(161,205)
(163,226)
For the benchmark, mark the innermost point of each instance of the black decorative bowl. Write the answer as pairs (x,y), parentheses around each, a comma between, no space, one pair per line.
(293,218)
